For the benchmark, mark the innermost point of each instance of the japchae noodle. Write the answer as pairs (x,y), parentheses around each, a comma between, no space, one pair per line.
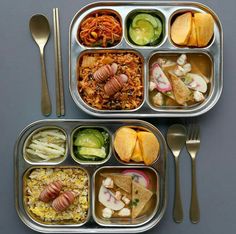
(100,30)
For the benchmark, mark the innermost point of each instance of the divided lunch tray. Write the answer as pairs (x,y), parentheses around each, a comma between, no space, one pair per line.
(23,166)
(166,10)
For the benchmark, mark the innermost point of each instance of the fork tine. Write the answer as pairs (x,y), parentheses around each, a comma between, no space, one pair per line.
(190,132)
(197,132)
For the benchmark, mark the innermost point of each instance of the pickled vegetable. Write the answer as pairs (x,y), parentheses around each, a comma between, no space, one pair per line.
(92,152)
(145,29)
(143,33)
(47,145)
(91,144)
(87,140)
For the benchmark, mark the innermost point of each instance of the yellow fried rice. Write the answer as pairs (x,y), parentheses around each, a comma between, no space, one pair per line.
(73,179)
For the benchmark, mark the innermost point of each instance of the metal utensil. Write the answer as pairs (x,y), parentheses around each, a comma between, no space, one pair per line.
(193,145)
(60,107)
(40,30)
(176,137)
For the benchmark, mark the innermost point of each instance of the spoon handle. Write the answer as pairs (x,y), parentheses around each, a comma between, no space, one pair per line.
(178,209)
(45,98)
(194,207)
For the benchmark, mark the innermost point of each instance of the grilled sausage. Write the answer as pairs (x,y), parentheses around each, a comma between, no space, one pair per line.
(62,202)
(115,84)
(105,72)
(51,191)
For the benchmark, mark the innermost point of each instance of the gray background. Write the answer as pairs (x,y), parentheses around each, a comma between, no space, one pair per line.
(20,105)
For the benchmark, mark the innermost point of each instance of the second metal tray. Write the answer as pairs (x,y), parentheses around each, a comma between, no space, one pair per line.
(68,126)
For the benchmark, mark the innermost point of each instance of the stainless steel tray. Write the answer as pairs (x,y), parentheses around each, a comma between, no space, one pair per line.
(21,166)
(167,9)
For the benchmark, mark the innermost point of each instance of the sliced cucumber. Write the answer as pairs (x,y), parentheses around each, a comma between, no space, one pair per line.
(89,157)
(92,152)
(145,29)
(157,30)
(97,133)
(143,33)
(147,17)
(87,140)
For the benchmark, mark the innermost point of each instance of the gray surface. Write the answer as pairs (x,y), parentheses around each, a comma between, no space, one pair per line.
(20,98)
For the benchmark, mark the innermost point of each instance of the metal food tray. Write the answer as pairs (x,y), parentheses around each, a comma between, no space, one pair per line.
(166,9)
(22,166)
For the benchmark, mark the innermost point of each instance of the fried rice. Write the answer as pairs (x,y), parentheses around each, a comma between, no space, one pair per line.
(73,179)
(92,92)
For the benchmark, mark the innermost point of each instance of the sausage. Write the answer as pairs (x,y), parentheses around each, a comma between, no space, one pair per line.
(62,202)
(105,72)
(51,191)
(115,84)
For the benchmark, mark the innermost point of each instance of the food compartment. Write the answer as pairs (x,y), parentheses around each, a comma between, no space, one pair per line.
(91,145)
(57,196)
(145,28)
(101,28)
(46,145)
(111,80)
(125,196)
(136,145)
(188,28)
(179,80)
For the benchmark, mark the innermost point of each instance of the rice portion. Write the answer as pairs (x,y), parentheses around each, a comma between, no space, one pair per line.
(92,92)
(73,179)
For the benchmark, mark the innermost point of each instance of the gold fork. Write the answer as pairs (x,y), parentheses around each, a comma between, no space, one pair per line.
(193,145)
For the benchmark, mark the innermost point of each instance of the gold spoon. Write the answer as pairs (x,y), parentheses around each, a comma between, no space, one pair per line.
(176,137)
(39,28)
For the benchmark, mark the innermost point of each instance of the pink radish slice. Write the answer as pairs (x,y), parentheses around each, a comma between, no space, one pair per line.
(107,198)
(138,176)
(159,77)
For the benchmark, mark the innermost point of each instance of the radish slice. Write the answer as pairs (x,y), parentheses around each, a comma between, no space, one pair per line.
(195,82)
(138,176)
(159,77)
(107,198)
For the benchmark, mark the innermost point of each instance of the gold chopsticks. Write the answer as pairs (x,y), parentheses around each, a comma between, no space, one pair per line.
(60,106)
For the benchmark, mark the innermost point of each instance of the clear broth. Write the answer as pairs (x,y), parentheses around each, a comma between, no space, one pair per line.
(201,64)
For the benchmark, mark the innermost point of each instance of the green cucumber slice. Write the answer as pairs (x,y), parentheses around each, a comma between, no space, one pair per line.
(96,132)
(147,17)
(87,140)
(92,152)
(143,33)
(157,30)
(88,157)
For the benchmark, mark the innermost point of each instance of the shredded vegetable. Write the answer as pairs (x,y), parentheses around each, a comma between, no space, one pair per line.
(100,30)
(47,144)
